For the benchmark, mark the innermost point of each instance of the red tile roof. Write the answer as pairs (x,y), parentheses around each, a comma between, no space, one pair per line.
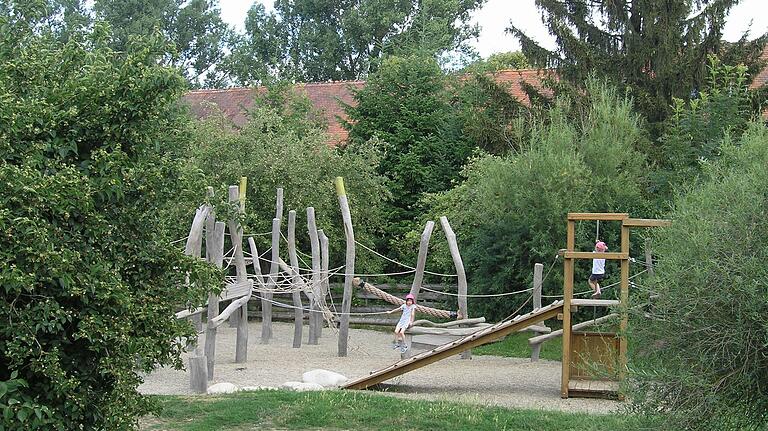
(762,77)
(233,103)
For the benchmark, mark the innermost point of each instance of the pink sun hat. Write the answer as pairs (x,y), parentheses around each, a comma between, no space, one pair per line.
(601,246)
(410,296)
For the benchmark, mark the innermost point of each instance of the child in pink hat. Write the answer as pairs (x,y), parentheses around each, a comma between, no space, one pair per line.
(598,269)
(405,322)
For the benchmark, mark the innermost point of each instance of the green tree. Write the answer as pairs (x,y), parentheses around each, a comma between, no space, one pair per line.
(700,348)
(510,211)
(655,48)
(406,105)
(194,28)
(514,60)
(88,279)
(311,41)
(284,145)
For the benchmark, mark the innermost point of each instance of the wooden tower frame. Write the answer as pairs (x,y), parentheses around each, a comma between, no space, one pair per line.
(570,256)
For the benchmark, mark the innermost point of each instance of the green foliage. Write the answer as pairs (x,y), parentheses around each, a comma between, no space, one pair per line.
(406,105)
(514,60)
(516,346)
(510,211)
(284,145)
(655,49)
(309,41)
(696,129)
(194,29)
(88,279)
(701,349)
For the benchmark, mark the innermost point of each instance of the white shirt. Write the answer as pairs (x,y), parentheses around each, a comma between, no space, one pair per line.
(598,266)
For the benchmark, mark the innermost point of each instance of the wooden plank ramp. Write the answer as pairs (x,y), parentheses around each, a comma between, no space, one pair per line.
(484,336)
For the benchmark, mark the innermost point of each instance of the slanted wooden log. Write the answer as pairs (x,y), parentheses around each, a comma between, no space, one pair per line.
(559,333)
(325,282)
(266,305)
(298,313)
(538,271)
(232,308)
(462,276)
(421,261)
(349,268)
(315,318)
(214,250)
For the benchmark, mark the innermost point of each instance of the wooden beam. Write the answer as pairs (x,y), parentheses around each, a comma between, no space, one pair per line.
(453,246)
(535,341)
(596,302)
(479,338)
(597,216)
(646,222)
(421,261)
(315,319)
(568,266)
(349,266)
(298,310)
(595,255)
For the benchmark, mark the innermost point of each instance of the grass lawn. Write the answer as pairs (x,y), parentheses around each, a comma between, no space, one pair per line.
(516,346)
(334,410)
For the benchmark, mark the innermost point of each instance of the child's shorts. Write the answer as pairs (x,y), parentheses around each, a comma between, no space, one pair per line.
(596,277)
(400,327)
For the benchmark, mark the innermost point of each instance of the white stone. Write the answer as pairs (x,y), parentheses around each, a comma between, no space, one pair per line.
(324,378)
(301,386)
(222,388)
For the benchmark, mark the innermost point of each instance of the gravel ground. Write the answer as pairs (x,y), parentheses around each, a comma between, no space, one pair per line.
(485,380)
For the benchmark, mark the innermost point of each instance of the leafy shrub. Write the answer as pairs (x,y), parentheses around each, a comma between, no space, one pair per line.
(510,211)
(701,349)
(88,278)
(283,145)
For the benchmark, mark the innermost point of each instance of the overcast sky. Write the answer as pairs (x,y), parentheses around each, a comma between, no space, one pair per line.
(496,15)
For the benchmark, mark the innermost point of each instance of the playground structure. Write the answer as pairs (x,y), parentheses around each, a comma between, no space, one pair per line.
(603,353)
(310,283)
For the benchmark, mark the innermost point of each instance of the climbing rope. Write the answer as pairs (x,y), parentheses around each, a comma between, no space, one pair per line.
(400,263)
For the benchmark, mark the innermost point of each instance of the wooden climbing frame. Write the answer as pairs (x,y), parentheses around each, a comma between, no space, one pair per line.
(573,387)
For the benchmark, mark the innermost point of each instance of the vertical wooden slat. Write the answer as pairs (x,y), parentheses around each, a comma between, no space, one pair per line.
(325,283)
(315,318)
(624,307)
(349,268)
(538,271)
(240,317)
(266,305)
(298,313)
(567,297)
(421,261)
(453,246)
(214,246)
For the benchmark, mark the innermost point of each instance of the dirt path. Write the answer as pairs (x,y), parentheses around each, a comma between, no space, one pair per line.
(485,380)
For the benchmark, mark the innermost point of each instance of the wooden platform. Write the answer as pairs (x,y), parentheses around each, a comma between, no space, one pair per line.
(593,388)
(595,302)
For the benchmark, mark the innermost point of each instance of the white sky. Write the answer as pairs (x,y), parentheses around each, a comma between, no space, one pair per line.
(496,15)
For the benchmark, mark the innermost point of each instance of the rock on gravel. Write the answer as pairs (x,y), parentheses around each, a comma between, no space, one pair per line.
(222,388)
(302,387)
(325,378)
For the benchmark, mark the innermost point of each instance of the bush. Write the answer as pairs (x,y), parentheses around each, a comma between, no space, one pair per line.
(701,348)
(88,278)
(510,211)
(282,145)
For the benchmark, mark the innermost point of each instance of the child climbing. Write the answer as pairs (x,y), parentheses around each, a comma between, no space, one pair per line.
(405,322)
(598,270)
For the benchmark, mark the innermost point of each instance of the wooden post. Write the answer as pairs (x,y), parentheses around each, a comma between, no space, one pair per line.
(279,204)
(298,313)
(243,189)
(349,269)
(624,308)
(325,283)
(421,262)
(315,318)
(214,247)
(198,374)
(648,257)
(567,297)
(194,247)
(240,318)
(462,276)
(538,271)
(266,305)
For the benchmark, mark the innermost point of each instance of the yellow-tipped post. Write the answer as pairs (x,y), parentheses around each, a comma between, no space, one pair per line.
(243,188)
(339,182)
